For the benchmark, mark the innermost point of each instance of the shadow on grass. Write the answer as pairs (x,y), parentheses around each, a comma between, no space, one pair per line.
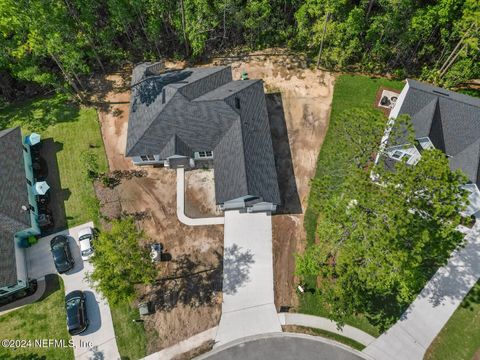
(58,196)
(52,284)
(38,114)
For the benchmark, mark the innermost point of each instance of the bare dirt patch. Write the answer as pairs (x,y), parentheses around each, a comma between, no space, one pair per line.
(200,193)
(299,102)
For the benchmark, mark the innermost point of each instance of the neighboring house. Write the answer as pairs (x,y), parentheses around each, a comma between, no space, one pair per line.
(199,117)
(18,210)
(444,120)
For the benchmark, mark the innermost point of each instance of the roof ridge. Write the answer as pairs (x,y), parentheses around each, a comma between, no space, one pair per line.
(444,93)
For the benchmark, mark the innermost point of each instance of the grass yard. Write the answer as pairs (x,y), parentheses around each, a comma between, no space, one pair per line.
(131,337)
(41,320)
(460,337)
(75,129)
(350,91)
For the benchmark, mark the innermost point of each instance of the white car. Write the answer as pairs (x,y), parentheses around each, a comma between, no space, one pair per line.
(85,237)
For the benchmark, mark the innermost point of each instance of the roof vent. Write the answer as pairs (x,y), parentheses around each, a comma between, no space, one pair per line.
(237,102)
(440,93)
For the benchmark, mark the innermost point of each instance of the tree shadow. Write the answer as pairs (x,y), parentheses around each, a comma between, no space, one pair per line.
(236,268)
(290,200)
(38,114)
(58,196)
(193,284)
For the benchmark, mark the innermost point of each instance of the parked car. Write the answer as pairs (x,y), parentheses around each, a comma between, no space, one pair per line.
(85,237)
(62,256)
(77,320)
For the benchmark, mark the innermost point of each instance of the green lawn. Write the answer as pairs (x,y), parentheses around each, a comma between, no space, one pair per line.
(131,336)
(350,91)
(41,320)
(76,130)
(460,337)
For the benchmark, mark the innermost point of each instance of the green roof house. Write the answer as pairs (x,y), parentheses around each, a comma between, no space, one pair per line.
(18,210)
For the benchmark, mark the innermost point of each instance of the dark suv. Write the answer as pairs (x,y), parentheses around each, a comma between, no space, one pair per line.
(77,321)
(62,257)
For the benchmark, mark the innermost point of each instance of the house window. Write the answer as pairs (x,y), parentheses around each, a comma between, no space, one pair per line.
(237,103)
(203,154)
(163,96)
(397,155)
(147,158)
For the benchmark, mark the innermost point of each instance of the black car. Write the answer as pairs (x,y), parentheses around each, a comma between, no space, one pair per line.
(77,321)
(62,257)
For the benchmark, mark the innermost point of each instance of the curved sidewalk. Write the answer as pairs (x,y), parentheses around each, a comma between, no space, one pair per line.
(184,346)
(219,220)
(322,323)
(283,346)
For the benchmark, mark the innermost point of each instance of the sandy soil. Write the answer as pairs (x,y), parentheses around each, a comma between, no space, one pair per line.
(200,193)
(303,98)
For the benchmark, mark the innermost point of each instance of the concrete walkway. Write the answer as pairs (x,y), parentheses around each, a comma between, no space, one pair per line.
(325,324)
(18,304)
(411,336)
(184,345)
(248,302)
(181,206)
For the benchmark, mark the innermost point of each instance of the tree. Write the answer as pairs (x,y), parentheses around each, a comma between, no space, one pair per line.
(120,262)
(379,244)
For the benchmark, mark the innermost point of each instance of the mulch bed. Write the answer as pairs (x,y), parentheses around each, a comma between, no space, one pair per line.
(378,96)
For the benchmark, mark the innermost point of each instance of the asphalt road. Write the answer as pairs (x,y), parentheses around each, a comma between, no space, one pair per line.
(284,346)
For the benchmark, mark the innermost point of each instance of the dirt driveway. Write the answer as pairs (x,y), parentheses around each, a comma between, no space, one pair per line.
(299,101)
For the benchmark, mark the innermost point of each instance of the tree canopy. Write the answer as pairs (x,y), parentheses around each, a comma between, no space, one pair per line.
(379,242)
(120,262)
(60,42)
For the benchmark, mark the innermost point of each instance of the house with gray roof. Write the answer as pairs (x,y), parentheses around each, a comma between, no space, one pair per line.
(197,116)
(18,210)
(444,120)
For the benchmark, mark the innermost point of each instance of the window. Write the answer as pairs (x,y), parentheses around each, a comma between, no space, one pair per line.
(397,155)
(237,103)
(163,96)
(203,154)
(147,158)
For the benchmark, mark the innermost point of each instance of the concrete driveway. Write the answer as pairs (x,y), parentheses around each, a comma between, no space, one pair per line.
(248,302)
(100,333)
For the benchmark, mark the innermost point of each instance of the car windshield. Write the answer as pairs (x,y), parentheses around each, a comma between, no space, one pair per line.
(84,237)
(87,251)
(72,312)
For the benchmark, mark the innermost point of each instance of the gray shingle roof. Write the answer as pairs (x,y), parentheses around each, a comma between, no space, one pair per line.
(198,109)
(451,121)
(13,194)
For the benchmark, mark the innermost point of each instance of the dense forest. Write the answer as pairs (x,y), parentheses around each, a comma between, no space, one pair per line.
(57,44)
